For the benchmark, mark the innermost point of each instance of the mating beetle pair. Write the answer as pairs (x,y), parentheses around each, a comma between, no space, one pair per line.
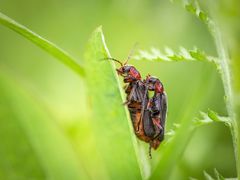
(148,114)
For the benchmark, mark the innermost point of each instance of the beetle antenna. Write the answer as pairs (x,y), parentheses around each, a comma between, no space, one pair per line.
(130,53)
(147,77)
(115,60)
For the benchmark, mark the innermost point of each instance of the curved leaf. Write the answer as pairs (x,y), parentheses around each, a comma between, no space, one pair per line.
(112,127)
(46,45)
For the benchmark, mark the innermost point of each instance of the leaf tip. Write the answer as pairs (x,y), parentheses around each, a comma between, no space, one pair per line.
(99,29)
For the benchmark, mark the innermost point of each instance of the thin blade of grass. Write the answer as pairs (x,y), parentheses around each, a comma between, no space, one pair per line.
(46,45)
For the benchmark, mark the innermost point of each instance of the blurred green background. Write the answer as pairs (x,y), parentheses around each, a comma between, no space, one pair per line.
(191,86)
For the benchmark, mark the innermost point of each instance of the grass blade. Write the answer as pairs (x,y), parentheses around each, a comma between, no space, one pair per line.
(46,45)
(111,125)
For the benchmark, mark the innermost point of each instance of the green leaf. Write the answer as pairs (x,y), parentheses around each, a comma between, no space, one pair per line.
(46,45)
(169,55)
(171,133)
(199,55)
(189,7)
(112,127)
(211,117)
(197,11)
(208,176)
(203,16)
(32,144)
(218,175)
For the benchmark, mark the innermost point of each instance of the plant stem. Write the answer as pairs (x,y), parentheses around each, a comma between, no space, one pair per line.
(224,62)
(46,45)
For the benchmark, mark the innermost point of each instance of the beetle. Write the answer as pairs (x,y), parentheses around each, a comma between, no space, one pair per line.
(147,114)
(137,97)
(157,105)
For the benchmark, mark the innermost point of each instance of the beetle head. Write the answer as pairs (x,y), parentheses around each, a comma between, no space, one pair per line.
(129,73)
(154,84)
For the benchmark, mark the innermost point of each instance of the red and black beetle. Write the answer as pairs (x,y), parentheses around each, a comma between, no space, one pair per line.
(157,105)
(137,96)
(148,115)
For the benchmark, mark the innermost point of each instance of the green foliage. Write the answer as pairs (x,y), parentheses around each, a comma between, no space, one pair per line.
(197,11)
(115,151)
(211,117)
(207,176)
(41,148)
(169,55)
(46,45)
(112,128)
(217,176)
(226,75)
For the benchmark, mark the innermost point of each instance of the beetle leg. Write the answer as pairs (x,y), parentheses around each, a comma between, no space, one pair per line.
(156,122)
(131,93)
(126,103)
(150,151)
(149,104)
